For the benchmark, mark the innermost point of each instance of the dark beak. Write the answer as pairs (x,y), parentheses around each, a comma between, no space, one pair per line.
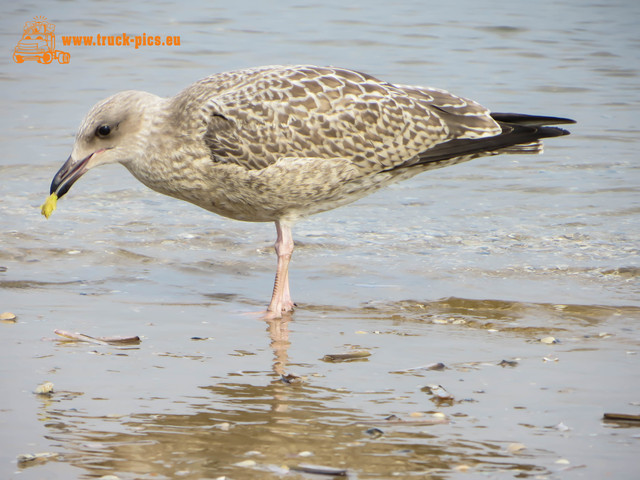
(70,172)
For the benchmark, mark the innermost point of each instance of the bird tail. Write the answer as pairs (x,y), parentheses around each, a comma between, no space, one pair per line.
(520,134)
(517,125)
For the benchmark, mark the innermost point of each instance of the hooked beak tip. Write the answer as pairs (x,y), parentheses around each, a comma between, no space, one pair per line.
(68,174)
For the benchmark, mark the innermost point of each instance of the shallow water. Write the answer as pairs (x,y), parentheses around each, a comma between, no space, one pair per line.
(467,266)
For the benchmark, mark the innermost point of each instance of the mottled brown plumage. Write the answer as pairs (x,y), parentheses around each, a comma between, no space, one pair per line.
(281,142)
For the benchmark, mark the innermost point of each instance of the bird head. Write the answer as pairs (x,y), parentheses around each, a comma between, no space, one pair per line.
(108,134)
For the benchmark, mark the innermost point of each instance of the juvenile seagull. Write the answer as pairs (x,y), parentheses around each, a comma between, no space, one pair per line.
(278,143)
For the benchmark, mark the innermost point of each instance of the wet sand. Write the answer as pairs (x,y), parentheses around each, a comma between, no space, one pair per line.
(470,267)
(202,395)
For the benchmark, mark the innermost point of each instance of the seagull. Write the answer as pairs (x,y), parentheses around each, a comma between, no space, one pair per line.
(279,143)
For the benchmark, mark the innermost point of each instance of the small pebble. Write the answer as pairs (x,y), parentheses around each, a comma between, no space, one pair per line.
(32,457)
(435,366)
(516,447)
(246,463)
(416,414)
(438,391)
(320,470)
(462,468)
(374,432)
(305,453)
(548,340)
(8,317)
(346,357)
(291,379)
(562,461)
(44,389)
(561,427)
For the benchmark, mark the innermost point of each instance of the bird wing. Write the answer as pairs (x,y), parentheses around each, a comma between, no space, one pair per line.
(256,117)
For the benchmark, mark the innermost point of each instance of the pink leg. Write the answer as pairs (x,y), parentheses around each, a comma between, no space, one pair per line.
(281,298)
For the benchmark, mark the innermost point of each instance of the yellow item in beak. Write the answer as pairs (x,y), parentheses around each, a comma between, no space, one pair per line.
(49,205)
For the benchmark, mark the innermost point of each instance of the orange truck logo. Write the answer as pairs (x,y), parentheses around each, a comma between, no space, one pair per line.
(38,42)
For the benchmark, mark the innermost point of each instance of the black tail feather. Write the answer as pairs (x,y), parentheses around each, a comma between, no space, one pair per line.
(529,120)
(520,134)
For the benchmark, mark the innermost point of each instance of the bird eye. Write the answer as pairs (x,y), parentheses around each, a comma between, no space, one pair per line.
(103,131)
